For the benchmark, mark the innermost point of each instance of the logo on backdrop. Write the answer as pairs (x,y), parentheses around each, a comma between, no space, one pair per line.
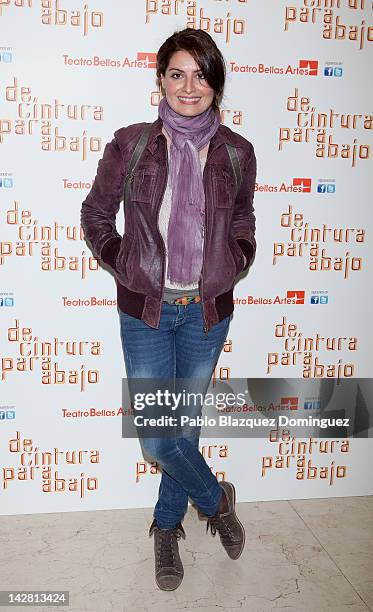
(303,349)
(317,127)
(6,299)
(94,413)
(331,25)
(6,54)
(333,69)
(226,25)
(290,403)
(292,297)
(69,184)
(34,353)
(45,467)
(298,185)
(299,456)
(326,186)
(6,180)
(53,13)
(319,296)
(305,67)
(312,403)
(142,60)
(89,302)
(7,413)
(307,240)
(319,299)
(46,241)
(44,118)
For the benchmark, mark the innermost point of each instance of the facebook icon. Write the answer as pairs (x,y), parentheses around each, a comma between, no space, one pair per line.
(314,299)
(321,188)
(328,71)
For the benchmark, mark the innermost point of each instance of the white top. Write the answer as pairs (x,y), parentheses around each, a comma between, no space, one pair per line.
(165,211)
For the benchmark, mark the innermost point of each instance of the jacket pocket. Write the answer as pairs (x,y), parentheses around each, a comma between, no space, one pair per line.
(238,255)
(125,252)
(143,184)
(223,187)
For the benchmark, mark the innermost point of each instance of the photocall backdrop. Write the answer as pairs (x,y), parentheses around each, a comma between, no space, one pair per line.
(299,88)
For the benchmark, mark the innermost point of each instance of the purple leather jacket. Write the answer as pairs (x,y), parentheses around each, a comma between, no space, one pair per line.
(138,258)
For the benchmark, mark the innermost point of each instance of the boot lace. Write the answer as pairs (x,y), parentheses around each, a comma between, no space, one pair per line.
(222,526)
(167,538)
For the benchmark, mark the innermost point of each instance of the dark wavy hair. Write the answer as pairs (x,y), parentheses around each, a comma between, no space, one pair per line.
(204,51)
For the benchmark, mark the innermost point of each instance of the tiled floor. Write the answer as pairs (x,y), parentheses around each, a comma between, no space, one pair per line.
(314,555)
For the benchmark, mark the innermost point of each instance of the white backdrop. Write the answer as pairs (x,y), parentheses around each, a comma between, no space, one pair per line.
(71,73)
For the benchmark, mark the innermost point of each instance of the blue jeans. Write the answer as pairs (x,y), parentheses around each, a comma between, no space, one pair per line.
(178,349)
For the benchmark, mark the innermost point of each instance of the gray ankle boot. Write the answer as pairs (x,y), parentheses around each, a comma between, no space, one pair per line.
(226,523)
(169,571)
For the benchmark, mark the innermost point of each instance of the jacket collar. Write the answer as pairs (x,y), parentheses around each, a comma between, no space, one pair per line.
(223,135)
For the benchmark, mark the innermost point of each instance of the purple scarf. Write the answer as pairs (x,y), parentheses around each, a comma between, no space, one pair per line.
(185,230)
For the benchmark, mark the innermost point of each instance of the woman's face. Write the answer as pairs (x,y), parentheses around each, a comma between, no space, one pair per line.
(187,91)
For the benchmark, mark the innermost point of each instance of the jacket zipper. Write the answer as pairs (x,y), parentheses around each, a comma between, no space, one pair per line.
(160,235)
(203,255)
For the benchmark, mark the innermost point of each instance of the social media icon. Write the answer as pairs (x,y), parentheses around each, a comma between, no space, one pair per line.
(10,414)
(8,182)
(328,71)
(314,299)
(7,57)
(338,72)
(9,301)
(321,188)
(323,299)
(331,188)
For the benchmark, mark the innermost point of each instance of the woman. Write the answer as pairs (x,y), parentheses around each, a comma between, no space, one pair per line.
(189,231)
